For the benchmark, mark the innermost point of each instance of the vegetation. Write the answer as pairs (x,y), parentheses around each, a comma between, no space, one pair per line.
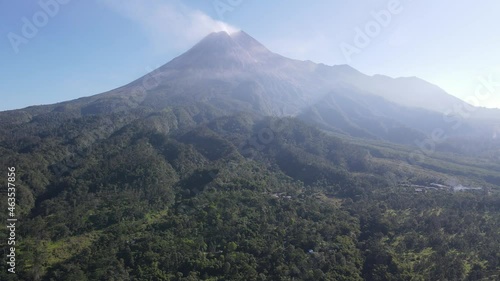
(177,195)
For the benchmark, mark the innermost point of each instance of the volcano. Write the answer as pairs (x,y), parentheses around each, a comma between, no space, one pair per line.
(231,73)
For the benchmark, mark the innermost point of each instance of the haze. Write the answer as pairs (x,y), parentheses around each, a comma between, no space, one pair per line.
(85,48)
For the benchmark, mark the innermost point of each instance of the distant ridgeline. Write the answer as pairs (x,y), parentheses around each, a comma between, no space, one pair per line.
(231,162)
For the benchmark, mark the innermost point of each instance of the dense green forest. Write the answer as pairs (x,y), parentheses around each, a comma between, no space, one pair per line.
(186,193)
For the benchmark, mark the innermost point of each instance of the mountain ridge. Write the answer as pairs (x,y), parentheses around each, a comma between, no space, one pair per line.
(285,170)
(234,72)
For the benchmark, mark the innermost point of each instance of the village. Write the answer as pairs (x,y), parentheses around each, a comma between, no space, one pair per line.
(437,186)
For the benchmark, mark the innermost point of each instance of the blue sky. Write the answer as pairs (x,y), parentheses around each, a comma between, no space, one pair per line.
(56,50)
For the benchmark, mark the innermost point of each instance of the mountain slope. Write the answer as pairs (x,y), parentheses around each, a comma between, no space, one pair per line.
(233,73)
(234,163)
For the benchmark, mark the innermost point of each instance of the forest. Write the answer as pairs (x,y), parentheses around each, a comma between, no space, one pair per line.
(186,194)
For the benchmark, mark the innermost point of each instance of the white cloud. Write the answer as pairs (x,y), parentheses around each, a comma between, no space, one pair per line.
(169,23)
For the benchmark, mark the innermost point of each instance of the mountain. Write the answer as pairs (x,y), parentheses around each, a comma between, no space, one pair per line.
(231,162)
(234,72)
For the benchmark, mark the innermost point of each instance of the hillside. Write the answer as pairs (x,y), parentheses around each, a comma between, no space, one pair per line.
(234,163)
